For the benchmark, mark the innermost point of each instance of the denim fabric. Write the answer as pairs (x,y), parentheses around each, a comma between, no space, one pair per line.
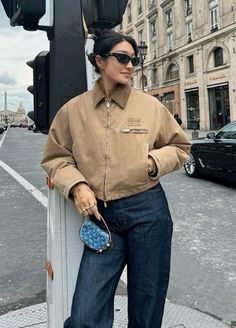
(141,228)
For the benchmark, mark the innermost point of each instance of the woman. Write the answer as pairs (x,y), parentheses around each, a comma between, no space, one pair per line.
(108,148)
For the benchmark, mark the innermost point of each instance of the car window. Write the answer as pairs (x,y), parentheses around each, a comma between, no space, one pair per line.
(229,132)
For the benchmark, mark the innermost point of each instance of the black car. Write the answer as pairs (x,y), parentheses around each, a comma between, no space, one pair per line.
(2,128)
(214,155)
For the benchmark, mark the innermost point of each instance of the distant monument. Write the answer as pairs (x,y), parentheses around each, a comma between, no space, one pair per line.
(10,116)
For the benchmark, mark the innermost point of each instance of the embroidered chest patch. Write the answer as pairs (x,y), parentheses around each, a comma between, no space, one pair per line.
(134,122)
(134,126)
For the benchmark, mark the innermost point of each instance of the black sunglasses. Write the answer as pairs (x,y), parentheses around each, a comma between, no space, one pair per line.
(123,58)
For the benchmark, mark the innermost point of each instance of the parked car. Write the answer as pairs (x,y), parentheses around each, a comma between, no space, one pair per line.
(2,128)
(14,125)
(31,126)
(214,155)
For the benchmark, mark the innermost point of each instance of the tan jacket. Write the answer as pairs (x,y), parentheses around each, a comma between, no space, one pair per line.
(106,143)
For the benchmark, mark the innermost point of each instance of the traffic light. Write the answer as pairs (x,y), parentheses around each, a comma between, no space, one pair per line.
(101,14)
(40,91)
(26,13)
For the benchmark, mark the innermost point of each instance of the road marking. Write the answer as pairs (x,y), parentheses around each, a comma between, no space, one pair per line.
(4,136)
(24,183)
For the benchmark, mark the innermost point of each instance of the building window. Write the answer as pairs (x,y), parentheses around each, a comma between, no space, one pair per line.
(140,8)
(218,57)
(152,3)
(129,13)
(154,50)
(154,75)
(193,112)
(170,41)
(169,18)
(188,7)
(169,101)
(153,28)
(173,72)
(189,27)
(190,64)
(140,36)
(144,78)
(214,19)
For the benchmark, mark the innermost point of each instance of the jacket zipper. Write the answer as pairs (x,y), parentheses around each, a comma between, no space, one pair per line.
(108,106)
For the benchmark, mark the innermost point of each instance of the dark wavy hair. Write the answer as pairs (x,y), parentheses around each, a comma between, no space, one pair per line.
(104,41)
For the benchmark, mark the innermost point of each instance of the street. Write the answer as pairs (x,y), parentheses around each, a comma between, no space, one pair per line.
(203,272)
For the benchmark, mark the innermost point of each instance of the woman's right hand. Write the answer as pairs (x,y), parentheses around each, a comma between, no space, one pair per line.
(85,200)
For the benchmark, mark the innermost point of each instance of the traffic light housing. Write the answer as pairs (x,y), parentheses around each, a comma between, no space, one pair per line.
(26,13)
(40,91)
(102,14)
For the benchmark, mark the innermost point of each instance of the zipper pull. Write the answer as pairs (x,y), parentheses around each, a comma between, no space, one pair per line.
(105,203)
(107,102)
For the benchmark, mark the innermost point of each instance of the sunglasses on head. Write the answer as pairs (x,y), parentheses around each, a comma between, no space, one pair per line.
(123,58)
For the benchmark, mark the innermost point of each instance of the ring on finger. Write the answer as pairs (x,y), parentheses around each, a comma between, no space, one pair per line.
(90,206)
(84,211)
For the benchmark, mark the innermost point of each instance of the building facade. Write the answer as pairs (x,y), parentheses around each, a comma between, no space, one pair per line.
(191,61)
(10,116)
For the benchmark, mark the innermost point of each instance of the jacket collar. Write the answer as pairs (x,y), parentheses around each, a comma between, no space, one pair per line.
(120,94)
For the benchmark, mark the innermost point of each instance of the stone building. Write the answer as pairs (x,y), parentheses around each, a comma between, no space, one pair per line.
(10,116)
(191,61)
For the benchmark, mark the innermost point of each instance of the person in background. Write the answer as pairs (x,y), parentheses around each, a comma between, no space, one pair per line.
(178,119)
(107,149)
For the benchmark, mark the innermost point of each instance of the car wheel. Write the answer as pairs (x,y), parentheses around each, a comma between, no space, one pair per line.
(190,166)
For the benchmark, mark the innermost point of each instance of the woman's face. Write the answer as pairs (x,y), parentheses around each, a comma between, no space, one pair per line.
(114,71)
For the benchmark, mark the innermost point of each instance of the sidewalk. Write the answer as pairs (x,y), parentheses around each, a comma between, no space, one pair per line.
(176,316)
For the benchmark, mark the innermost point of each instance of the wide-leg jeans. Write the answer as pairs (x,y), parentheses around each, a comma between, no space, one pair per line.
(141,227)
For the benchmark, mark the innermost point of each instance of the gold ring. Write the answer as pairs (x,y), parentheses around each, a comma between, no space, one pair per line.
(90,206)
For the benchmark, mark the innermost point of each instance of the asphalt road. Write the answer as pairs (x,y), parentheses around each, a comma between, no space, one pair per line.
(204,244)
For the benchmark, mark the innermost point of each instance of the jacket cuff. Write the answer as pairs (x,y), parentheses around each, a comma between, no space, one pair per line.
(157,176)
(68,194)
(65,178)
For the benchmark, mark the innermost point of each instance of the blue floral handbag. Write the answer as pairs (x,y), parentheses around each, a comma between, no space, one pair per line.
(94,237)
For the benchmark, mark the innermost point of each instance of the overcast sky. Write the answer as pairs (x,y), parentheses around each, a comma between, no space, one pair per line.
(18,46)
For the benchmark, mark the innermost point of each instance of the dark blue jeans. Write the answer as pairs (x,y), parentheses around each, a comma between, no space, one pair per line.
(141,228)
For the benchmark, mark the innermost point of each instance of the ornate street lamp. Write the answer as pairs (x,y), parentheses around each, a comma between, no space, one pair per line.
(142,55)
